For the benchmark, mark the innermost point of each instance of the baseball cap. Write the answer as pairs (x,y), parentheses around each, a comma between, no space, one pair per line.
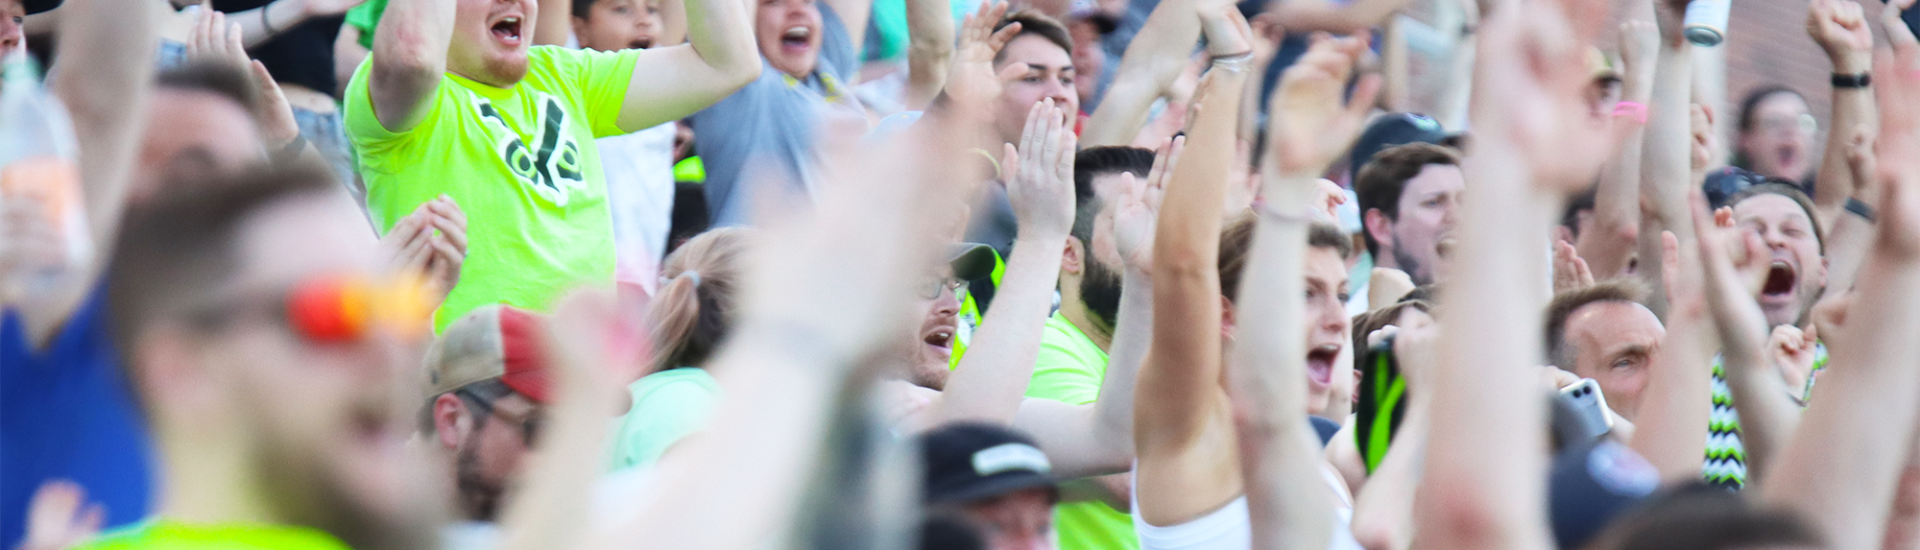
(495,341)
(1724,182)
(1393,129)
(971,261)
(1591,484)
(971,461)
(37,6)
(1086,10)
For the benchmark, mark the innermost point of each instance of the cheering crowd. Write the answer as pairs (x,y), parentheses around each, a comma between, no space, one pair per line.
(726,275)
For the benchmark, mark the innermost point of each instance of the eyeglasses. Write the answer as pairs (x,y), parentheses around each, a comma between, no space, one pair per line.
(529,423)
(933,286)
(1805,123)
(335,308)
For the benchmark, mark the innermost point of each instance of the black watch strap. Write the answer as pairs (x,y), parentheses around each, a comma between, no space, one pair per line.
(1860,209)
(1848,81)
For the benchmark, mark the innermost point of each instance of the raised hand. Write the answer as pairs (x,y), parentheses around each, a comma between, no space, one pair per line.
(59,517)
(1570,271)
(1040,182)
(1792,352)
(430,243)
(1841,29)
(1530,87)
(1312,121)
(972,82)
(1897,152)
(1138,207)
(1639,48)
(215,40)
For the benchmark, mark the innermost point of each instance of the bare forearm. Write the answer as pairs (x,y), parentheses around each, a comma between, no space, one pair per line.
(1152,61)
(1830,472)
(1383,510)
(1284,507)
(1768,416)
(1665,162)
(1616,211)
(929,50)
(1484,483)
(261,24)
(991,379)
(1853,110)
(106,66)
(739,481)
(1671,429)
(549,512)
(409,56)
(721,32)
(1113,411)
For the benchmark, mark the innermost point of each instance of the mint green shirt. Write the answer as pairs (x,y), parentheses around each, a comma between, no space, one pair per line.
(1069,370)
(667,406)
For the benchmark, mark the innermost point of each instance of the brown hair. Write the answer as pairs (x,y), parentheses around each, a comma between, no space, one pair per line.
(1236,240)
(1379,184)
(1567,302)
(693,312)
(178,250)
(1791,193)
(1035,23)
(1707,518)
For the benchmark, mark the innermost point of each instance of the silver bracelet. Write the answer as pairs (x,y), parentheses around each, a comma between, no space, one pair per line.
(1235,62)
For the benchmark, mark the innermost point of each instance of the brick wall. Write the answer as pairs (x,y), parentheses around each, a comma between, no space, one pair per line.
(1767,43)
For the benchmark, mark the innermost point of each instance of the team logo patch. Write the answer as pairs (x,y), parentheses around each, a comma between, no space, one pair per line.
(552,165)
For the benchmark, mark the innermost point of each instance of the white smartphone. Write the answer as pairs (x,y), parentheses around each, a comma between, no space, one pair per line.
(1590,407)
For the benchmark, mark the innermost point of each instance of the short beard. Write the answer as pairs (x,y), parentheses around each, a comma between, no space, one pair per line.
(479,496)
(1100,292)
(1411,267)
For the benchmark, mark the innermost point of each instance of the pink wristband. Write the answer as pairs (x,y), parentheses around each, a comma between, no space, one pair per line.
(1634,109)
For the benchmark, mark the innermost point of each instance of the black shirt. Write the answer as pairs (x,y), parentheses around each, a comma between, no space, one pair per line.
(300,55)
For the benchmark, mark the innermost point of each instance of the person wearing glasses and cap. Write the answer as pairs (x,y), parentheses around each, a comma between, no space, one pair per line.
(487,380)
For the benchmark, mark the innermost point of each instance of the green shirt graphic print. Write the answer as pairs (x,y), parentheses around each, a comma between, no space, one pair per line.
(519,161)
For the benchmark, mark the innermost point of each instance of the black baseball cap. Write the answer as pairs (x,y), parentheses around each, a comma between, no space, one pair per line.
(1724,182)
(1592,484)
(971,461)
(1395,129)
(37,6)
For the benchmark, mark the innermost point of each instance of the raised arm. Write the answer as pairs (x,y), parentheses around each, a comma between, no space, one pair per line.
(265,22)
(1154,58)
(1535,142)
(409,55)
(1843,32)
(854,15)
(1323,16)
(991,379)
(1186,467)
(1098,438)
(1832,472)
(104,73)
(1666,145)
(720,56)
(1677,403)
(1280,453)
(1616,204)
(787,365)
(556,23)
(930,38)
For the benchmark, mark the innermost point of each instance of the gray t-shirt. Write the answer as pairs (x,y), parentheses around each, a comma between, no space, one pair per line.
(759,140)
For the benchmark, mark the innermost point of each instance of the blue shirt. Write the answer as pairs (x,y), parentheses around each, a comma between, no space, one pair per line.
(66,413)
(759,141)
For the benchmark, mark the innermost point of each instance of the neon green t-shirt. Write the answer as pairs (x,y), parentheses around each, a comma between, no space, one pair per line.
(162,534)
(519,161)
(1069,370)
(667,406)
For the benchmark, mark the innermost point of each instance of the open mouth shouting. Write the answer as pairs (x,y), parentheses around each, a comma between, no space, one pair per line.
(509,30)
(796,39)
(939,339)
(1783,278)
(1320,365)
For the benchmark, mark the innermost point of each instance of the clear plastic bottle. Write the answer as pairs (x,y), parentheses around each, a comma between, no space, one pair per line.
(40,196)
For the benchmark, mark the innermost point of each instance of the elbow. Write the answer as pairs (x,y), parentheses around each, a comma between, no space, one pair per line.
(1374,533)
(1462,518)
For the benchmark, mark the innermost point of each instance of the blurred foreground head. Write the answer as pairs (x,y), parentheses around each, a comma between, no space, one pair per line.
(272,358)
(200,127)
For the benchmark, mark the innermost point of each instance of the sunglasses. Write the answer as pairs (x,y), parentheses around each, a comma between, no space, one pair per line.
(336,309)
(529,424)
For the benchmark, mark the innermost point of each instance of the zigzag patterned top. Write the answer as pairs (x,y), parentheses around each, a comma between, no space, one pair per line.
(1726,460)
